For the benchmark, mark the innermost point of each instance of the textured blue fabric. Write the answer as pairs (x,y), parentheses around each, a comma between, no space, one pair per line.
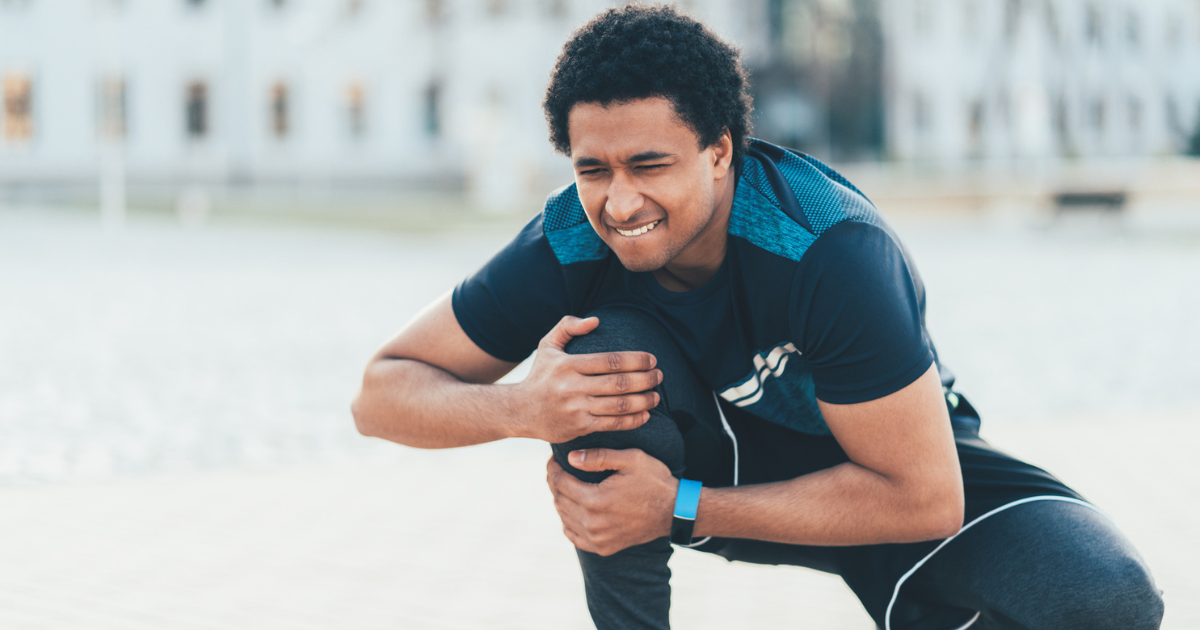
(577,244)
(571,236)
(563,209)
(825,200)
(758,218)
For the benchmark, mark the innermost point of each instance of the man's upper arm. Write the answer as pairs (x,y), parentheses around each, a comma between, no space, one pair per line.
(435,337)
(904,435)
(875,377)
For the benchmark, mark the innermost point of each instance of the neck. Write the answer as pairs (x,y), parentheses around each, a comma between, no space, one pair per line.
(701,259)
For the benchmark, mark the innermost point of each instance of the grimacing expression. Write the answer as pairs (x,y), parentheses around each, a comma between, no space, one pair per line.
(647,187)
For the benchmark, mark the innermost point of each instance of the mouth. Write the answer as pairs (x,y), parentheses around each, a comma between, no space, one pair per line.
(638,231)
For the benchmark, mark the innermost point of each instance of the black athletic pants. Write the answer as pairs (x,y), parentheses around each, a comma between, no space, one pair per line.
(1032,555)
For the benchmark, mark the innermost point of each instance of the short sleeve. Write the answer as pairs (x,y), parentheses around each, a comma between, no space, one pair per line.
(857,315)
(515,299)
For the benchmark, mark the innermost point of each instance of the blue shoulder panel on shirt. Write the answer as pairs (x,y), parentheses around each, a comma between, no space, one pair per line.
(566,227)
(757,218)
(824,197)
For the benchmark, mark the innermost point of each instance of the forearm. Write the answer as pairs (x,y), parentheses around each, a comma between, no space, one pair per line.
(844,505)
(416,404)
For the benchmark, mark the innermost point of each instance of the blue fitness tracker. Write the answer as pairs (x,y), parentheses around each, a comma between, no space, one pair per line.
(684,520)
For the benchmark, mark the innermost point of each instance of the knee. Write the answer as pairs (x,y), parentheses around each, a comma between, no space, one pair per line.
(1118,593)
(621,328)
(659,438)
(625,329)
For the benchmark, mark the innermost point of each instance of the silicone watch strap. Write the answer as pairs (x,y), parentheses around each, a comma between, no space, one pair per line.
(684,521)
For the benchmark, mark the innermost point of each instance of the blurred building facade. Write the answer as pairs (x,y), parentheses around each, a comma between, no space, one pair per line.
(335,93)
(1041,78)
(360,94)
(984,80)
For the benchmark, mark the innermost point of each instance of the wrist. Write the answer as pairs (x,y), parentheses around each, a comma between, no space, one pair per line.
(683,520)
(707,513)
(515,410)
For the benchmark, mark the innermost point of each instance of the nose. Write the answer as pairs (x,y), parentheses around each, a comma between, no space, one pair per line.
(624,199)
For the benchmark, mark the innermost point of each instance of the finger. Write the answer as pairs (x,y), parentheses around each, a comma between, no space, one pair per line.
(565,485)
(623,405)
(566,329)
(621,423)
(552,470)
(623,383)
(597,459)
(570,512)
(580,542)
(612,362)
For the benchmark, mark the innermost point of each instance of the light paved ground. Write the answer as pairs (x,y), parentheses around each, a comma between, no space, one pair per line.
(175,450)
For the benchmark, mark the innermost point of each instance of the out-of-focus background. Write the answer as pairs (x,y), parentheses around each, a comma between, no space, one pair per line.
(212,212)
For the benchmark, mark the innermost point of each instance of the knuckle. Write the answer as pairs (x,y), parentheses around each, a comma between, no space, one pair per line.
(614,360)
(621,382)
(622,404)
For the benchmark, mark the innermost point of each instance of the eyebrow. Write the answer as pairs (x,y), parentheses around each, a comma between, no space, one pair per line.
(644,156)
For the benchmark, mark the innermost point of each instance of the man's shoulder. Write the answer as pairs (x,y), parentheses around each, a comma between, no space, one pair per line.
(786,200)
(566,228)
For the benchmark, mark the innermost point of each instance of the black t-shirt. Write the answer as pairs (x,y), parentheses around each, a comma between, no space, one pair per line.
(816,298)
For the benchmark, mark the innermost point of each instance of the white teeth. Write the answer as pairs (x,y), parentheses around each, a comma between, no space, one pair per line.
(641,230)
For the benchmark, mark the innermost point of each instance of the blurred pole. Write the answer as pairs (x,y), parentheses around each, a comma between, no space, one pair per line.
(111,114)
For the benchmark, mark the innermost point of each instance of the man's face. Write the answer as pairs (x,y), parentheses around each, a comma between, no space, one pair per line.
(646,186)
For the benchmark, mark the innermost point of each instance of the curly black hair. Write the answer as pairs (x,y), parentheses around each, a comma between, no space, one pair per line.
(639,51)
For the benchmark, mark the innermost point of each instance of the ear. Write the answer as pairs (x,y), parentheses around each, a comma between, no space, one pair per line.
(722,155)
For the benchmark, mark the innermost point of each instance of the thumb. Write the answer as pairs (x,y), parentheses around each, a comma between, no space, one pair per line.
(601,459)
(566,329)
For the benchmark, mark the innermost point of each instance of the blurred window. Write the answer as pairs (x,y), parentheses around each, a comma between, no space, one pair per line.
(1135,113)
(435,10)
(1012,18)
(18,107)
(280,110)
(1060,122)
(195,109)
(971,20)
(921,113)
(1096,114)
(496,8)
(356,116)
(922,17)
(108,5)
(1053,28)
(432,109)
(110,108)
(556,8)
(1174,32)
(1133,29)
(1174,120)
(975,126)
(1093,27)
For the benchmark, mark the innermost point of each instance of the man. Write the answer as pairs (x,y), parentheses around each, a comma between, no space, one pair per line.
(732,357)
